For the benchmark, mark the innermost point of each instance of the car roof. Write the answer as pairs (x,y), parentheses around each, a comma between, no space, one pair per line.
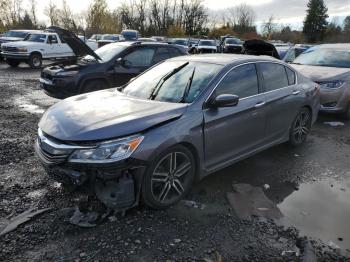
(140,43)
(224,59)
(336,46)
(25,30)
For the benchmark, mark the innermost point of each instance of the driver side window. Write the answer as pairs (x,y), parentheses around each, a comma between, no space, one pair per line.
(241,81)
(141,57)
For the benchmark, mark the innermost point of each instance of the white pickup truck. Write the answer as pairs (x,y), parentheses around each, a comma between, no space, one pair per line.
(35,48)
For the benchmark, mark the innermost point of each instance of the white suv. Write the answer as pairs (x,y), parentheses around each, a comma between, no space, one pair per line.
(34,48)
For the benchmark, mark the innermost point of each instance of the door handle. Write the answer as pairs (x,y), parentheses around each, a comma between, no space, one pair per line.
(260,104)
(296,92)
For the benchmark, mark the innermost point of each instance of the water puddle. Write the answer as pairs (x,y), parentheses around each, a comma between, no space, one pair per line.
(320,210)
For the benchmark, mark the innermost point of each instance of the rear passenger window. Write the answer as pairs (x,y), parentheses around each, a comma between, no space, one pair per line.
(275,76)
(161,54)
(241,81)
(291,76)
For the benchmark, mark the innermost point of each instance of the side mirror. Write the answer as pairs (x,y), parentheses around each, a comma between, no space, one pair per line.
(124,63)
(225,100)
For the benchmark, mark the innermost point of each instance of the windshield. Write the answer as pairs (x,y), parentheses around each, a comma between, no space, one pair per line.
(233,41)
(325,57)
(110,37)
(181,42)
(208,43)
(129,35)
(173,81)
(40,38)
(15,34)
(107,52)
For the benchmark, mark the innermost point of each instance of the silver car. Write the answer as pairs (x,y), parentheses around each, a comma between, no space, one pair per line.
(176,123)
(329,66)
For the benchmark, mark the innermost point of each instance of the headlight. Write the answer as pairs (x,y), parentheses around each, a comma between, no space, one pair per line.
(108,151)
(331,84)
(22,49)
(67,73)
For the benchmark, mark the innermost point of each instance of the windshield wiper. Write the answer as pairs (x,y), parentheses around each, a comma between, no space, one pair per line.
(159,85)
(187,87)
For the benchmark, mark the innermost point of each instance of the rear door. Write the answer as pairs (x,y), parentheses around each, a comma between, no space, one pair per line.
(283,98)
(231,132)
(136,61)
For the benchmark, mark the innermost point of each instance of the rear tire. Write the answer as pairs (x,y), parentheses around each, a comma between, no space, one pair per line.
(169,177)
(12,62)
(35,61)
(94,85)
(300,127)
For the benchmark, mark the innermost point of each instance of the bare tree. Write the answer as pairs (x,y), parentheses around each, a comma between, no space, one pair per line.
(33,13)
(269,27)
(51,11)
(244,18)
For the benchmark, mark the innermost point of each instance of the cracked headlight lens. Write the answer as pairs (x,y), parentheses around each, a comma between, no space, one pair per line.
(331,84)
(108,151)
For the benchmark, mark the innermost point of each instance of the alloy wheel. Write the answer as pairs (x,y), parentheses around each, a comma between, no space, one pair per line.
(169,179)
(301,126)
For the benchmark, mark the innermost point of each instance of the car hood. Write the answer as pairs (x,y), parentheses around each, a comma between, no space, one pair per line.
(79,47)
(260,47)
(321,73)
(10,39)
(21,44)
(105,115)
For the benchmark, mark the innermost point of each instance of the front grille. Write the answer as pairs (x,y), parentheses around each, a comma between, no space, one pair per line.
(48,158)
(9,49)
(45,75)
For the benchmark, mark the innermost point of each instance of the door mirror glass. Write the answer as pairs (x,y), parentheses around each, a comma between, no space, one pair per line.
(124,63)
(225,100)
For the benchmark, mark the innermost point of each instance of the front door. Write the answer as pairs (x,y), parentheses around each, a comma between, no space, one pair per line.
(231,132)
(133,63)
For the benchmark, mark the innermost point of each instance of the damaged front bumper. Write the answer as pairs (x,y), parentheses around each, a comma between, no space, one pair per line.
(117,184)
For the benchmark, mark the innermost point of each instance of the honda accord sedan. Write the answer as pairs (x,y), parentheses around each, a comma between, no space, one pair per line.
(329,66)
(178,122)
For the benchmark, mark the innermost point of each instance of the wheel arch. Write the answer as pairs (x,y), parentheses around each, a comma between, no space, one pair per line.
(195,154)
(83,81)
(36,52)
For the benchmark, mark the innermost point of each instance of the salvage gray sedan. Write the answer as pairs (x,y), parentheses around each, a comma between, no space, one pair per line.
(176,123)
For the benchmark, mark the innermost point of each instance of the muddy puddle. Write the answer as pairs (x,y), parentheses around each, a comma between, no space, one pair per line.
(320,210)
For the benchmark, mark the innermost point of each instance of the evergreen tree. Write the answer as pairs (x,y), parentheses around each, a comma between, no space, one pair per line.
(26,22)
(315,23)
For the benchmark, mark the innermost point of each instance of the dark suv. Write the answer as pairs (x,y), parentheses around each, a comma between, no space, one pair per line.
(109,66)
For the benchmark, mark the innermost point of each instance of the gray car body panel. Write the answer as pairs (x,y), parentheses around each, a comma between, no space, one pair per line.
(326,74)
(218,137)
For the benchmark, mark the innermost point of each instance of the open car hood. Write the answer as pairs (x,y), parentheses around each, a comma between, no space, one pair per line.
(79,47)
(260,47)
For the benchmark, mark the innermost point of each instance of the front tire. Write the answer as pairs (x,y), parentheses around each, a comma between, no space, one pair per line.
(12,62)
(300,127)
(169,178)
(35,61)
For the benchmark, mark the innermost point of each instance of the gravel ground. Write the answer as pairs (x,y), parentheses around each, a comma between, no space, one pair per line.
(181,233)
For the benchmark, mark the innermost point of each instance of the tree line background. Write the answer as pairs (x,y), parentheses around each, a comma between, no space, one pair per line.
(174,18)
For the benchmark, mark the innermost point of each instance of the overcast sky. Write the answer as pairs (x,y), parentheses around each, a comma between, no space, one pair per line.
(285,11)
